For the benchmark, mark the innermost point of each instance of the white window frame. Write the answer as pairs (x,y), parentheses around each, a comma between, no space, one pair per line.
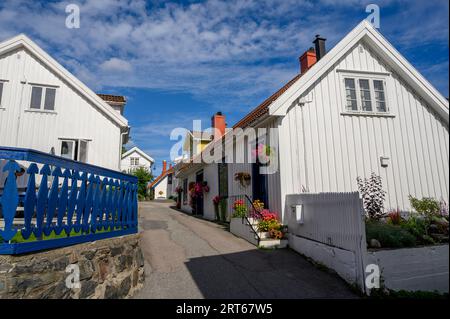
(73,141)
(371,76)
(43,97)
(134,161)
(2,95)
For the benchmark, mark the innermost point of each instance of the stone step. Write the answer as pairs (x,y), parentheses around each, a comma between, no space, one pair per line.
(273,243)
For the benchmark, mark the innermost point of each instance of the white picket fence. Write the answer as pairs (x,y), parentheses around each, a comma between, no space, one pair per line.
(330,229)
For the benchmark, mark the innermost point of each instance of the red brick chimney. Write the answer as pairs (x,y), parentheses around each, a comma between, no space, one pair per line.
(218,122)
(307,60)
(164,166)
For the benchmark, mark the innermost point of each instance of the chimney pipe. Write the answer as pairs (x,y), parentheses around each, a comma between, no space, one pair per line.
(307,60)
(164,166)
(320,47)
(218,123)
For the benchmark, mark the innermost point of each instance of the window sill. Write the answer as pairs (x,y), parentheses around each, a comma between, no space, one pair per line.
(370,114)
(41,111)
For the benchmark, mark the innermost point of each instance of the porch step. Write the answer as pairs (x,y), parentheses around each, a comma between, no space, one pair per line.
(273,243)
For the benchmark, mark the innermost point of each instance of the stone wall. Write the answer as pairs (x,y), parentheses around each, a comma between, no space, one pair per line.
(109,268)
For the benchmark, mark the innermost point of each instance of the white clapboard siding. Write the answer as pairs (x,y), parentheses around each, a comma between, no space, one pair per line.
(74,116)
(325,151)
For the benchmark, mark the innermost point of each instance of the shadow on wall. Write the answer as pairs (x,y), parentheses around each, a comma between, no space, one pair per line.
(264,274)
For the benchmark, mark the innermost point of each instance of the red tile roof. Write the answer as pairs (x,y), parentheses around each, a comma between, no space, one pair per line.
(113,98)
(160,177)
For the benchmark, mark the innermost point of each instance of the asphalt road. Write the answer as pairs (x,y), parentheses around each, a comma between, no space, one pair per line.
(187,257)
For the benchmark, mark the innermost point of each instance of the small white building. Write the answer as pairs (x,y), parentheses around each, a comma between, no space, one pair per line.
(46,108)
(358,109)
(136,158)
(163,186)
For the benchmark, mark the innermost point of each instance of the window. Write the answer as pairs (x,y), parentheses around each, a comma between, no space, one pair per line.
(365,95)
(43,98)
(134,161)
(185,191)
(169,179)
(1,92)
(75,150)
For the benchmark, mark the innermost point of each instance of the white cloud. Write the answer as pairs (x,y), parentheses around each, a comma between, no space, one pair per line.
(116,65)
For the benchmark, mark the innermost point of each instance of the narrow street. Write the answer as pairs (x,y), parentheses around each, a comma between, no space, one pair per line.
(187,257)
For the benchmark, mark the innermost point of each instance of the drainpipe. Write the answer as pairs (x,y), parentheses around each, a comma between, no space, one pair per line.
(122,134)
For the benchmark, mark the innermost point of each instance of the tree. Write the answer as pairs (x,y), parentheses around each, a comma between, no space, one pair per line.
(124,149)
(144,176)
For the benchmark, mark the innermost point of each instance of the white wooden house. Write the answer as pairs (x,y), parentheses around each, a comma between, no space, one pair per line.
(136,158)
(357,109)
(45,107)
(163,186)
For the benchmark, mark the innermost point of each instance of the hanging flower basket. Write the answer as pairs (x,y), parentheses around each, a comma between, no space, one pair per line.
(243,178)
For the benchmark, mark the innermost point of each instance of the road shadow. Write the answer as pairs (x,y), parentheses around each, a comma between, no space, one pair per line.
(264,274)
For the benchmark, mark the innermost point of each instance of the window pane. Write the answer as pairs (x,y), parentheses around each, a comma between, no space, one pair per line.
(36,96)
(1,92)
(50,99)
(350,92)
(83,151)
(349,83)
(364,88)
(136,161)
(378,85)
(67,149)
(381,106)
(380,97)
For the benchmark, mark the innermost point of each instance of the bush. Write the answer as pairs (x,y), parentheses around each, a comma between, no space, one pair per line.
(428,207)
(389,235)
(418,227)
(372,193)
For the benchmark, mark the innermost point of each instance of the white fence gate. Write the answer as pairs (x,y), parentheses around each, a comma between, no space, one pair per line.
(330,229)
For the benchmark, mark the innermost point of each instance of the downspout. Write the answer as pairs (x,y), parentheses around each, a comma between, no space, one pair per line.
(122,134)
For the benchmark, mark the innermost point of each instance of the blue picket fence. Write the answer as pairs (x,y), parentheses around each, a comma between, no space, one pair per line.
(47,201)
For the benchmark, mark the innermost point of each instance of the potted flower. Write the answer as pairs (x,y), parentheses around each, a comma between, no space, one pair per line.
(216,202)
(239,208)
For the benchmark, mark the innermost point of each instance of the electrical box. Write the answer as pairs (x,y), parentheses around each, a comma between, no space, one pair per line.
(384,161)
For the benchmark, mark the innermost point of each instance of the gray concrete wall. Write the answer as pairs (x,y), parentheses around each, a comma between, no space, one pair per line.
(423,268)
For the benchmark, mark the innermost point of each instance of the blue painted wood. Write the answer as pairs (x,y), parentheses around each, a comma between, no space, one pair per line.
(95,198)
(22,248)
(29,155)
(10,200)
(30,201)
(62,202)
(81,200)
(72,201)
(41,204)
(52,201)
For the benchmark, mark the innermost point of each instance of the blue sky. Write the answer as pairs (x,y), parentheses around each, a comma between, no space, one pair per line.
(180,61)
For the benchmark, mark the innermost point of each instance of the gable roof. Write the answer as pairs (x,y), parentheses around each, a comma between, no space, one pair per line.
(25,42)
(364,31)
(137,150)
(164,174)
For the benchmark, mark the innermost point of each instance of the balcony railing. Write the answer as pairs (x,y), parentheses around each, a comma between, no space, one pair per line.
(48,201)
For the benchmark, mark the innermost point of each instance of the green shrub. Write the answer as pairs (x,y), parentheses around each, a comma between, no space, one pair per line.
(428,207)
(418,227)
(389,236)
